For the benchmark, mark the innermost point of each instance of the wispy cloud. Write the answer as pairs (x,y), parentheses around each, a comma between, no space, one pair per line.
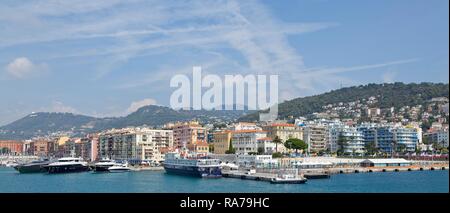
(311,78)
(247,27)
(135,105)
(224,37)
(58,106)
(23,67)
(389,76)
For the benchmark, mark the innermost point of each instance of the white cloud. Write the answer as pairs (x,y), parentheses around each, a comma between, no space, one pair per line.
(23,68)
(389,76)
(58,106)
(328,78)
(138,104)
(245,36)
(139,26)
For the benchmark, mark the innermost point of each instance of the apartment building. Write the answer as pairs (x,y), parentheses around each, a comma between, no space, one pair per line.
(316,136)
(283,130)
(190,135)
(222,141)
(11,147)
(134,144)
(246,141)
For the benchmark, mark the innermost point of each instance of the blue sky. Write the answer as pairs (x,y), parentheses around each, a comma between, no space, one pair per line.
(107,58)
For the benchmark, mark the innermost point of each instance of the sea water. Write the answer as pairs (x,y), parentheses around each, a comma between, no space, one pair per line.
(159,181)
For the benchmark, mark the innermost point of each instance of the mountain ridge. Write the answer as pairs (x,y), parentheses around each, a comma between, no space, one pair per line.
(45,123)
(411,94)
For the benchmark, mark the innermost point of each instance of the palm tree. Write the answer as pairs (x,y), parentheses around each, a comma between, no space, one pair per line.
(342,142)
(393,148)
(277,140)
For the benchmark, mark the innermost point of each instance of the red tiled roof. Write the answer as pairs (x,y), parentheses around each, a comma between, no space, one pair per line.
(282,124)
(265,139)
(248,131)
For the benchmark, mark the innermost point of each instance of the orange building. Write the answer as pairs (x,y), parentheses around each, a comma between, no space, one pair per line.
(42,147)
(222,141)
(284,131)
(11,147)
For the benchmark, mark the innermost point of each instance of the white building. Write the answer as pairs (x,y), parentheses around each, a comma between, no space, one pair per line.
(437,136)
(256,160)
(372,112)
(245,126)
(134,144)
(267,145)
(246,141)
(316,136)
(352,139)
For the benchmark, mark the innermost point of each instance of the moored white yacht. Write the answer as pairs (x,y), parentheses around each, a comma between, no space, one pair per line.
(103,165)
(66,165)
(119,168)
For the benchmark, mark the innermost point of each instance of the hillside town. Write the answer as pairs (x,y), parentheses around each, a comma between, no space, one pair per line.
(300,137)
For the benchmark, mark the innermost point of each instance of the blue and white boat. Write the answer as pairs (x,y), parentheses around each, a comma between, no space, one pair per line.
(196,166)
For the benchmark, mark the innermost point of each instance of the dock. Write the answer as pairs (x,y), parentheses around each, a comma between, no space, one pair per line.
(324,174)
(243,175)
(385,169)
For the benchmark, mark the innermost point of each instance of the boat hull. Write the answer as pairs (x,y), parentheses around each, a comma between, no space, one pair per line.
(66,168)
(202,172)
(118,170)
(317,176)
(31,168)
(101,168)
(299,181)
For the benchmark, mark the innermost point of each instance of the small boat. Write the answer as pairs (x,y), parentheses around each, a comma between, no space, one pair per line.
(11,164)
(33,167)
(119,168)
(103,165)
(67,165)
(288,178)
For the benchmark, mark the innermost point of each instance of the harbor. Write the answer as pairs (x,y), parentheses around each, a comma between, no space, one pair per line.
(160,182)
(257,168)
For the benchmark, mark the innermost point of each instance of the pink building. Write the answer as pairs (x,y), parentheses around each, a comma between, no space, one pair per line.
(189,134)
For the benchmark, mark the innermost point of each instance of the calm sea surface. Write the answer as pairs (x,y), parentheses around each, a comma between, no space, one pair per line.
(158,181)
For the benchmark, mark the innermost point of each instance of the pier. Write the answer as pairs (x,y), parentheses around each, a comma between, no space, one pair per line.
(244,175)
(266,175)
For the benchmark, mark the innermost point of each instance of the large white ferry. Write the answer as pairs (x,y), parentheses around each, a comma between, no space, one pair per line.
(197,166)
